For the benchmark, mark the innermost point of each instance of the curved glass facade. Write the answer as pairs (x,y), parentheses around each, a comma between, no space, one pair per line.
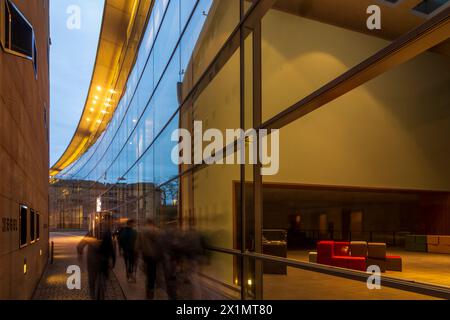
(135,149)
(150,100)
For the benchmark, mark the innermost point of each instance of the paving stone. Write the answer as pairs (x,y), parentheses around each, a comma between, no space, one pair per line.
(53,285)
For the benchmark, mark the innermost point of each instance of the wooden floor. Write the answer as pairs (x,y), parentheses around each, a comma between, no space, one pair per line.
(306,285)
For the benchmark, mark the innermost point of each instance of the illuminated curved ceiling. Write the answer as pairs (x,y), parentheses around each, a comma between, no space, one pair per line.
(122,27)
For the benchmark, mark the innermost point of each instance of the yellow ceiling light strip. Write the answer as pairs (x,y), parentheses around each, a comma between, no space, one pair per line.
(133,18)
(116,54)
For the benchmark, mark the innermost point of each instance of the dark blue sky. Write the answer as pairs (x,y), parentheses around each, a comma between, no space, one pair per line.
(72,56)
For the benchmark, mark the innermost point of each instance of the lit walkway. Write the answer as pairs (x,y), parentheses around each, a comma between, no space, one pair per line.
(185,289)
(136,290)
(53,284)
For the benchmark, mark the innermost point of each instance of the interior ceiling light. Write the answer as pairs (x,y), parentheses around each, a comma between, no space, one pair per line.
(92,109)
(112,91)
(99,88)
(94,102)
(99,121)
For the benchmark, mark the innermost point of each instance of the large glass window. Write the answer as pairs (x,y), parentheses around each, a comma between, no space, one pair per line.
(23,226)
(17,33)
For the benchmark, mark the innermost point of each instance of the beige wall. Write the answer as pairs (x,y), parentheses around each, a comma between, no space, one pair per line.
(391,132)
(24,156)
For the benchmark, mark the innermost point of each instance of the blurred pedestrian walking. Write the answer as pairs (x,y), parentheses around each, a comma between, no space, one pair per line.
(127,242)
(150,247)
(101,257)
(92,261)
(172,254)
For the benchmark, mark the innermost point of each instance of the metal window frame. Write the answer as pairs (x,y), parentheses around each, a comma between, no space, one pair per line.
(7,4)
(2,23)
(22,246)
(424,15)
(32,214)
(37,223)
(35,55)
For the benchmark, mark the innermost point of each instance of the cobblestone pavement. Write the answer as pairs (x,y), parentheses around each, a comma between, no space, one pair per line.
(53,285)
(136,290)
(186,290)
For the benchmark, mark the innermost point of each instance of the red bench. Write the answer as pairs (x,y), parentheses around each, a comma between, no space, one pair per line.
(337,254)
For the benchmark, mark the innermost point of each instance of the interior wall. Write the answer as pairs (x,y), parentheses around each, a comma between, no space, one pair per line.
(391,132)
(376,216)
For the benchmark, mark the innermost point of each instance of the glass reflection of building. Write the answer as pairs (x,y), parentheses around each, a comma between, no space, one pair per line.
(363,119)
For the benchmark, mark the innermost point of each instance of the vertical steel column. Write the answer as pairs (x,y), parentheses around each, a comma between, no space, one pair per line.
(243,264)
(258,182)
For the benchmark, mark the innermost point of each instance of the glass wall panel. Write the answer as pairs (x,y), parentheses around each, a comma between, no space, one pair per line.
(215,188)
(147,192)
(146,85)
(165,169)
(303,51)
(166,95)
(223,17)
(369,166)
(186,8)
(167,37)
(193,30)
(217,274)
(310,285)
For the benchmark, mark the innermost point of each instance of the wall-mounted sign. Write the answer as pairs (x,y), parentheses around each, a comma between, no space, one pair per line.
(99,204)
(9,225)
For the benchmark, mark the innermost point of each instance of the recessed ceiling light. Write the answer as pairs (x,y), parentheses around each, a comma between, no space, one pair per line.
(99,88)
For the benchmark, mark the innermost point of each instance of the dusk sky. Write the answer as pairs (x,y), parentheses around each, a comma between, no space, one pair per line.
(72,57)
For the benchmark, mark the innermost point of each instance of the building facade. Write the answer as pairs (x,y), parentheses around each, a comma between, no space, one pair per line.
(24,146)
(363,124)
